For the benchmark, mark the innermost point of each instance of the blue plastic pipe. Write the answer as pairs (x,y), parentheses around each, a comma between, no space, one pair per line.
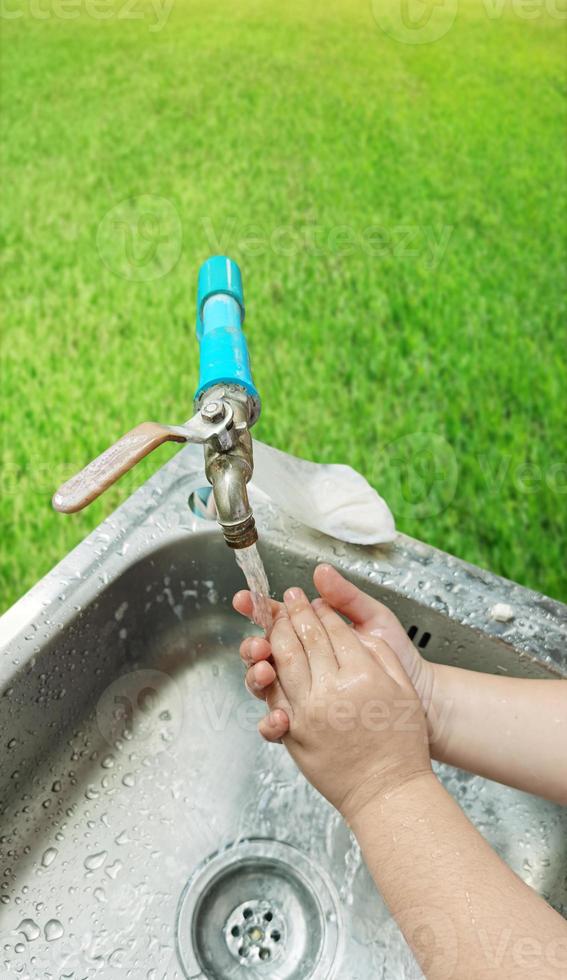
(220,315)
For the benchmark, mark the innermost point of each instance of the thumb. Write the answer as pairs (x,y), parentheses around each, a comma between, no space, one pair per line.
(343,596)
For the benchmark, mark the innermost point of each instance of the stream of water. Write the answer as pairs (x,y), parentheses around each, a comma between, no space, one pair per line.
(248,559)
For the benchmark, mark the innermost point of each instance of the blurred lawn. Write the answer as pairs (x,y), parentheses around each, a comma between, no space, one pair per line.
(429,353)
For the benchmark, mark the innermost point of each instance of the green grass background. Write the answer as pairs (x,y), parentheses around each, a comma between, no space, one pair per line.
(443,382)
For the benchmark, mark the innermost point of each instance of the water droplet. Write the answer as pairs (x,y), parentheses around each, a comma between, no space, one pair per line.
(30,929)
(49,856)
(114,869)
(129,779)
(53,930)
(119,613)
(115,958)
(94,861)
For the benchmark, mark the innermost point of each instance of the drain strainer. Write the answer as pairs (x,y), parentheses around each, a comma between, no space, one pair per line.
(258,909)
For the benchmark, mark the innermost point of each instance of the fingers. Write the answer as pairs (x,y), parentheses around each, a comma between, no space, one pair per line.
(290,660)
(274,726)
(262,682)
(289,671)
(344,596)
(311,634)
(277,698)
(259,679)
(253,649)
(346,645)
(242,602)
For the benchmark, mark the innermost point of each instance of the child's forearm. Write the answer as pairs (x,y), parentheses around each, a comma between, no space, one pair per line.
(507,729)
(461,909)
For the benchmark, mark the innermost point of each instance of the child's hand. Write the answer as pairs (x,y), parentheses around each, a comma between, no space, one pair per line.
(356,725)
(373,623)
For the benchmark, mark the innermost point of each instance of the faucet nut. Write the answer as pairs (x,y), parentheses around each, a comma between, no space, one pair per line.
(240,535)
(213,411)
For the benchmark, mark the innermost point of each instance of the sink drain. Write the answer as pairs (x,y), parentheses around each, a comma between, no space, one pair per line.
(258,909)
(255,932)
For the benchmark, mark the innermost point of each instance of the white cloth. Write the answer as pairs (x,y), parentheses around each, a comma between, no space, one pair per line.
(329,497)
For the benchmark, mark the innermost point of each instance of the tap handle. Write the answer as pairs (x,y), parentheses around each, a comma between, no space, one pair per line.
(106,469)
(214,424)
(220,316)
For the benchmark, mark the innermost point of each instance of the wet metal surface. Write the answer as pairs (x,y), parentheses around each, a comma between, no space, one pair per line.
(130,754)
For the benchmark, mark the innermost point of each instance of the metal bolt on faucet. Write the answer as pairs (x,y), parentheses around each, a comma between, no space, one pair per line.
(213,411)
(227,405)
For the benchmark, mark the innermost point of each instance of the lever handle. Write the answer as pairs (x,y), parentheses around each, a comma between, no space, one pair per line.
(107,468)
(213,424)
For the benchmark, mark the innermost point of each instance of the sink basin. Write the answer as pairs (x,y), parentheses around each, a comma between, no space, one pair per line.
(146,831)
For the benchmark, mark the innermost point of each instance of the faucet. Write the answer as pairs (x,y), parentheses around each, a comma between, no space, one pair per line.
(226,406)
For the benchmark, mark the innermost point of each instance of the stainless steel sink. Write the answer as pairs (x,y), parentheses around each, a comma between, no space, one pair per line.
(146,831)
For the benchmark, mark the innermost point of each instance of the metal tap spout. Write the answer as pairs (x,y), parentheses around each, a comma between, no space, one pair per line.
(229,471)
